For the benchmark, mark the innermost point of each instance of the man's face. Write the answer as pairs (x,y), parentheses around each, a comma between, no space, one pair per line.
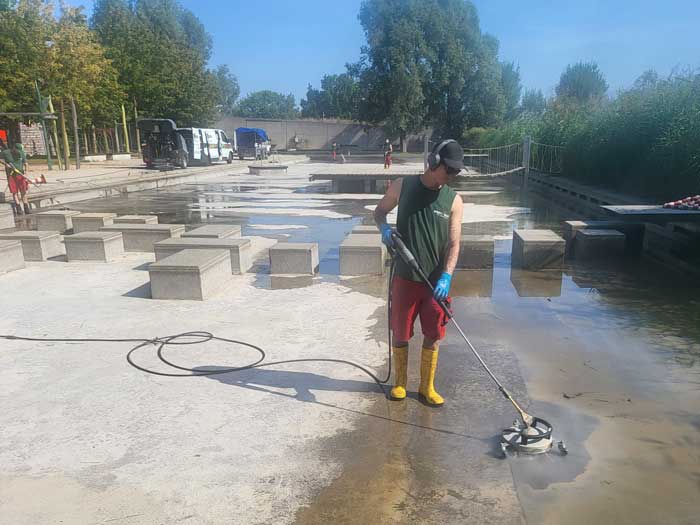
(445,174)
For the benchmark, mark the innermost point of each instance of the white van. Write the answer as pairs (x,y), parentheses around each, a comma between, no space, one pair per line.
(207,145)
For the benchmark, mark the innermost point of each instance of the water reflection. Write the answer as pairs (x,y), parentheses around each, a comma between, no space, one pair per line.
(536,283)
(472,283)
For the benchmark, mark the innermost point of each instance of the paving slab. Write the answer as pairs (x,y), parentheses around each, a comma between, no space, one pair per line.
(92,222)
(362,254)
(142,237)
(475,252)
(599,244)
(136,219)
(240,250)
(11,256)
(94,246)
(192,275)
(294,258)
(37,245)
(60,221)
(537,249)
(215,231)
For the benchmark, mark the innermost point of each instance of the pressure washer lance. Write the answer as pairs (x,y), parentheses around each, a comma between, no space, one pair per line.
(530,435)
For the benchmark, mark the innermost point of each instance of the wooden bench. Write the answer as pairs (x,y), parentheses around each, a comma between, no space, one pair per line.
(192,275)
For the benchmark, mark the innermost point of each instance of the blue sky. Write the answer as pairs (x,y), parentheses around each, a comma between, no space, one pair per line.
(283,45)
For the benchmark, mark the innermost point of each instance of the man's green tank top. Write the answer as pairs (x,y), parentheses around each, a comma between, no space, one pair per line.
(424,224)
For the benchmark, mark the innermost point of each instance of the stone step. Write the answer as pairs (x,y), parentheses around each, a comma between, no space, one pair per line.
(11,256)
(294,258)
(365,229)
(92,222)
(240,250)
(94,246)
(7,217)
(142,237)
(215,231)
(537,249)
(192,275)
(362,254)
(59,221)
(475,252)
(136,219)
(599,244)
(37,245)
(634,233)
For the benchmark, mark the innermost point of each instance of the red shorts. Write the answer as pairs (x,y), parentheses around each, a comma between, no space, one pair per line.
(17,184)
(409,300)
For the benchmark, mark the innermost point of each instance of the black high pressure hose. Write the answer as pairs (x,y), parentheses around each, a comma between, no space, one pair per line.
(199,337)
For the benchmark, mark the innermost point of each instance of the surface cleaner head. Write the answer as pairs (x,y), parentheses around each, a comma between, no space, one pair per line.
(531,439)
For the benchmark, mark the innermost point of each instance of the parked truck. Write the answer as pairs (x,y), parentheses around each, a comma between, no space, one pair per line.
(252,142)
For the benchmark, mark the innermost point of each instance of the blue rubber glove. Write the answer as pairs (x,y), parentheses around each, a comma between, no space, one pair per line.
(442,287)
(386,232)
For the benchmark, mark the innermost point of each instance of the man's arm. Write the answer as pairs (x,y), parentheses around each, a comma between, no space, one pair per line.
(388,202)
(455,235)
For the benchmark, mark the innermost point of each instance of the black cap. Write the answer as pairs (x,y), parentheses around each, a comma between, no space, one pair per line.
(452,155)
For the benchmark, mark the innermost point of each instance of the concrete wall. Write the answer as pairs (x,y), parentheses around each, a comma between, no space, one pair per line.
(316,134)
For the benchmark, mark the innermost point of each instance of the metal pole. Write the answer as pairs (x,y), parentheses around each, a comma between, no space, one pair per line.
(526,160)
(425,150)
(76,138)
(126,131)
(43,127)
(138,133)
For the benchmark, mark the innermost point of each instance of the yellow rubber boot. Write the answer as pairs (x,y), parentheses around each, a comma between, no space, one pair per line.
(400,372)
(428,366)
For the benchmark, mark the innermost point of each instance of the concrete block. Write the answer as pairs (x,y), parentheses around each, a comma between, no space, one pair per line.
(11,256)
(136,219)
(540,283)
(537,249)
(94,246)
(142,237)
(94,158)
(472,283)
(7,218)
(599,244)
(55,221)
(120,156)
(364,229)
(634,233)
(190,274)
(300,258)
(475,252)
(215,231)
(92,222)
(37,245)
(267,169)
(240,250)
(362,255)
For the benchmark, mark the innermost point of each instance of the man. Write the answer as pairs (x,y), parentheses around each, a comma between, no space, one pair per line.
(334,151)
(388,149)
(430,224)
(16,167)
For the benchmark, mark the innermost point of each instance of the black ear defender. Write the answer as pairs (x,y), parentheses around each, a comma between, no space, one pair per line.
(434,156)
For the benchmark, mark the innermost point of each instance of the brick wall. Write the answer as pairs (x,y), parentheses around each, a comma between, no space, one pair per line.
(32,137)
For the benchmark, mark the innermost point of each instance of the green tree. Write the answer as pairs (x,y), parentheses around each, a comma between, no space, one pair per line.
(533,102)
(511,87)
(427,63)
(160,51)
(228,89)
(339,97)
(268,104)
(582,82)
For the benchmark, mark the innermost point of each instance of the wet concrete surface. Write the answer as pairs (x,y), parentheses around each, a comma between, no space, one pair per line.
(610,355)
